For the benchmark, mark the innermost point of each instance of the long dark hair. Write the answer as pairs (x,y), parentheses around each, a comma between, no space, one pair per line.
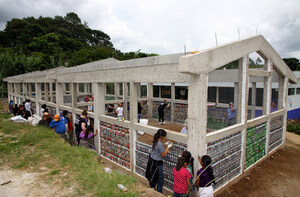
(160,133)
(180,163)
(187,157)
(206,160)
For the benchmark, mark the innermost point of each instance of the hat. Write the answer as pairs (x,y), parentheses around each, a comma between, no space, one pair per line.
(185,123)
(56,117)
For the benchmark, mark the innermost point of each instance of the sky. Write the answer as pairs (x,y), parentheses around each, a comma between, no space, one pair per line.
(166,26)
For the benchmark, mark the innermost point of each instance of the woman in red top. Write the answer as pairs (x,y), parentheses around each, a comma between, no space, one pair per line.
(181,178)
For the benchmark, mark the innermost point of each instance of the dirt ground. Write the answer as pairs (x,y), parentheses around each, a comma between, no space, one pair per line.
(279,175)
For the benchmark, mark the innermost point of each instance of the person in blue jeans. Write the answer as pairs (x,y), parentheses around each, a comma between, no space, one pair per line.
(231,111)
(154,171)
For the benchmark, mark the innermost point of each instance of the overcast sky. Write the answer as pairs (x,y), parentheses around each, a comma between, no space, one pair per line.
(165,26)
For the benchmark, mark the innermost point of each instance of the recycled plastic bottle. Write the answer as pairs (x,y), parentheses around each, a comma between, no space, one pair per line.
(122,187)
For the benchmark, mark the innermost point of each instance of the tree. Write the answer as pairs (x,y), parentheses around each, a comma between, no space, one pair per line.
(292,63)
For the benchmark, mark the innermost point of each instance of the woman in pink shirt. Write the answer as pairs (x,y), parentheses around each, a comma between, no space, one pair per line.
(181,178)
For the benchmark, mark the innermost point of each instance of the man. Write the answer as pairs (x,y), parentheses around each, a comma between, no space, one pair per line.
(231,111)
(140,108)
(27,109)
(273,106)
(60,126)
(184,130)
(161,113)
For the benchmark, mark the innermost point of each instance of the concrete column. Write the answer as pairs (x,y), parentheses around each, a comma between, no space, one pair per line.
(38,95)
(99,109)
(280,93)
(30,90)
(24,90)
(9,91)
(117,89)
(51,92)
(139,92)
(197,116)
(74,95)
(18,93)
(46,92)
(150,97)
(125,96)
(172,101)
(253,99)
(243,102)
(159,91)
(236,94)
(217,94)
(133,120)
(267,100)
(285,103)
(59,95)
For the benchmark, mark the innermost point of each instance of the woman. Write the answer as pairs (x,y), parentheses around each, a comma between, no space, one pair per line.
(154,171)
(82,125)
(205,178)
(86,135)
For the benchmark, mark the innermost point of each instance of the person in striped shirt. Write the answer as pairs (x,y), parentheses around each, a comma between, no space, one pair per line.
(205,177)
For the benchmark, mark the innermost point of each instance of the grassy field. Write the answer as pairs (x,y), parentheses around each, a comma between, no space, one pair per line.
(24,147)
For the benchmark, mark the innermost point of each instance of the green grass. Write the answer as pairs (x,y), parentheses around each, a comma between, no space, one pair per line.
(36,147)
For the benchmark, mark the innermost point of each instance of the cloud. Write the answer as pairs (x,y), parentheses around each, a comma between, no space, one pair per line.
(164,27)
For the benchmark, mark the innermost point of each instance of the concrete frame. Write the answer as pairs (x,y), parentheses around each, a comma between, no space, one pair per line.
(195,69)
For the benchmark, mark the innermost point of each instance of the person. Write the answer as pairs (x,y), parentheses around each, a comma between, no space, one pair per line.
(140,108)
(81,126)
(11,106)
(21,111)
(273,106)
(187,156)
(86,135)
(110,108)
(16,110)
(27,109)
(44,106)
(59,125)
(154,170)
(184,129)
(65,115)
(182,177)
(231,114)
(205,177)
(161,113)
(45,120)
(119,111)
(86,98)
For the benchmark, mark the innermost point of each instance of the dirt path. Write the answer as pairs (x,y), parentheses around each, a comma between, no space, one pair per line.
(279,175)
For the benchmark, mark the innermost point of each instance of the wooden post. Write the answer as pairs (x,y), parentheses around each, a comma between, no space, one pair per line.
(149,98)
(99,109)
(133,120)
(197,116)
(172,102)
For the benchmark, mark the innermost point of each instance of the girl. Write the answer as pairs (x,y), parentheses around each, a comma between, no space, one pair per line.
(206,179)
(86,135)
(187,156)
(182,177)
(82,125)
(154,171)
(119,111)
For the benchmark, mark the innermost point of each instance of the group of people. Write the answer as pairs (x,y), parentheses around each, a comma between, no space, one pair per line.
(183,172)
(119,110)
(23,109)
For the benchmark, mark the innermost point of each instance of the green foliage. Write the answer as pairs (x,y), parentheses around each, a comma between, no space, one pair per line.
(28,147)
(294,128)
(292,63)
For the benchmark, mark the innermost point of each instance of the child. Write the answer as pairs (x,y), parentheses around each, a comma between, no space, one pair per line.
(86,135)
(119,112)
(187,156)
(205,177)
(181,178)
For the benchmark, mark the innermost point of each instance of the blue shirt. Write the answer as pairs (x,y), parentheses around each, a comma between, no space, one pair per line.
(231,114)
(60,126)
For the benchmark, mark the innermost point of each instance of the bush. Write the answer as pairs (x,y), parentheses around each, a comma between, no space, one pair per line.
(294,128)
